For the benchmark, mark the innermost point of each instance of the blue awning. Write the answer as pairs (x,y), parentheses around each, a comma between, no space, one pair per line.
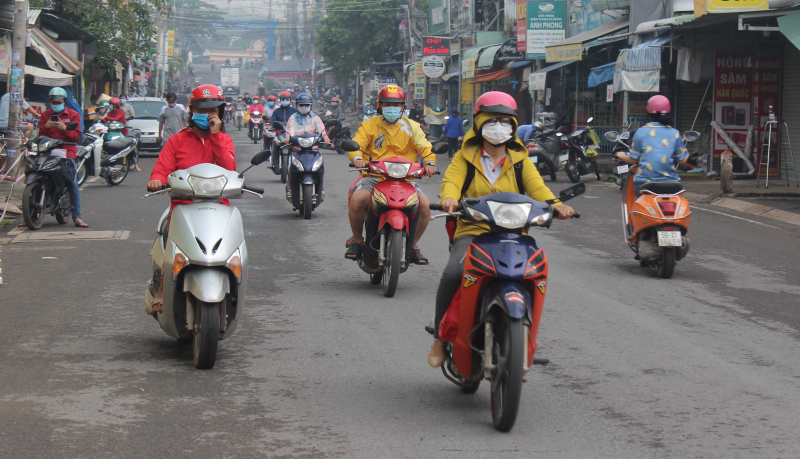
(647,56)
(519,64)
(601,74)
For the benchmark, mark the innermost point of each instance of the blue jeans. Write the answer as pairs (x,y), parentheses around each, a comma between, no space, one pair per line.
(74,192)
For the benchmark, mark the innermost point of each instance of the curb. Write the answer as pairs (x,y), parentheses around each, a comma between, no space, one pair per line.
(747,208)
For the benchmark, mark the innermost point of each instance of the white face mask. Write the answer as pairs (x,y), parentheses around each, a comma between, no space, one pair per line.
(497,133)
(303,109)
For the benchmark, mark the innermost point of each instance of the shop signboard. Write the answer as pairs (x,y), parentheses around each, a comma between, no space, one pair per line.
(509,51)
(433,66)
(537,81)
(170,42)
(733,97)
(637,106)
(546,25)
(435,46)
(468,67)
(522,26)
(419,82)
(730,6)
(766,95)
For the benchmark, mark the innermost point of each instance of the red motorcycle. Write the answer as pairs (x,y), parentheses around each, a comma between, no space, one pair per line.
(392,217)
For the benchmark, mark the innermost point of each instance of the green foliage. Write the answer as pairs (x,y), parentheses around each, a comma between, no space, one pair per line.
(355,35)
(178,63)
(271,83)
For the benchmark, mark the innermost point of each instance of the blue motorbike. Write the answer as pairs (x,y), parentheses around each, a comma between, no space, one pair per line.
(306,171)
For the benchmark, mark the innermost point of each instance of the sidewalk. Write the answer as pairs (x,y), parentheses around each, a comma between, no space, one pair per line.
(13,211)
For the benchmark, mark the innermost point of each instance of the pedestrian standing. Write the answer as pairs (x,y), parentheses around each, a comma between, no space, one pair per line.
(453,131)
(172,119)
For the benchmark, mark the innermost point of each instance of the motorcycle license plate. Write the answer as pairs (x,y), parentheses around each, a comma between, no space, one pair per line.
(669,239)
(148,140)
(534,159)
(621,170)
(564,158)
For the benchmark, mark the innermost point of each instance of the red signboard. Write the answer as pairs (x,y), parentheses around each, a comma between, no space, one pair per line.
(433,46)
(522,35)
(733,98)
(766,94)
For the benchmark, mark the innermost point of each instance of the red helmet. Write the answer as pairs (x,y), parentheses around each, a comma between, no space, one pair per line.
(392,93)
(496,102)
(335,99)
(285,94)
(272,98)
(207,96)
(114,101)
(658,104)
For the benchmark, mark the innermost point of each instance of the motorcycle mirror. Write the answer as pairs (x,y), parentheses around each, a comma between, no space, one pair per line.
(625,136)
(440,148)
(591,118)
(690,136)
(571,192)
(612,136)
(260,157)
(350,145)
(277,125)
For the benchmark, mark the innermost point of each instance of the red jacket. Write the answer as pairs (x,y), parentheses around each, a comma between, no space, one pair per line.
(67,116)
(186,149)
(118,115)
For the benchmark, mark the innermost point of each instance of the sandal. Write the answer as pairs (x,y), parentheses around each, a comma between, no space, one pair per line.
(418,258)
(354,251)
(80,223)
(347,243)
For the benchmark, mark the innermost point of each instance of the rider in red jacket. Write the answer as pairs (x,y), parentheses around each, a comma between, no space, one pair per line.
(116,114)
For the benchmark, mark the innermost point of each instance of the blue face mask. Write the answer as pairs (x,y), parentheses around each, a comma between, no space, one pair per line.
(122,101)
(201,121)
(391,114)
(57,108)
(271,104)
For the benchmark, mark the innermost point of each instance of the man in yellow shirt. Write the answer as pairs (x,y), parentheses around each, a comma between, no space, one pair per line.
(386,136)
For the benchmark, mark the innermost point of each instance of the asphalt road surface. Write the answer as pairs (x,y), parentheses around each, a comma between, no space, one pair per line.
(702,365)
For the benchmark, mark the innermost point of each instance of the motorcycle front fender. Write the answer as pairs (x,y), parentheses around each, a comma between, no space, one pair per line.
(509,297)
(308,179)
(395,218)
(32,177)
(209,285)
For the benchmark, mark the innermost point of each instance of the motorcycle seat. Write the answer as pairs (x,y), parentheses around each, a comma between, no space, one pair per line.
(117,145)
(663,187)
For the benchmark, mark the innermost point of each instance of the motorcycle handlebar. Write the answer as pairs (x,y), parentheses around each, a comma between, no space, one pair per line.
(253,189)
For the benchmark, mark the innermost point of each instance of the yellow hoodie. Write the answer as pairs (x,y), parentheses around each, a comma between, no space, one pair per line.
(456,173)
(403,138)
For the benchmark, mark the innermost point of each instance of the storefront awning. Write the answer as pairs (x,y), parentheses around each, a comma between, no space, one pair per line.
(44,77)
(519,64)
(448,76)
(571,49)
(486,59)
(493,76)
(601,74)
(646,56)
(58,53)
(536,80)
(790,27)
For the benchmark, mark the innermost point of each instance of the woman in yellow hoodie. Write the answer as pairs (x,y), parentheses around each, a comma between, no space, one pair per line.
(497,162)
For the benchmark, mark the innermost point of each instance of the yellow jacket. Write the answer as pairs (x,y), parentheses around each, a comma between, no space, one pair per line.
(382,139)
(456,173)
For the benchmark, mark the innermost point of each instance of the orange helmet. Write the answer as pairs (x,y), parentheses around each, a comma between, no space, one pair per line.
(392,93)
(114,101)
(272,98)
(285,94)
(207,96)
(335,99)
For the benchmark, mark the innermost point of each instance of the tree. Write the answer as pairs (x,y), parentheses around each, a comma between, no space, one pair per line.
(353,36)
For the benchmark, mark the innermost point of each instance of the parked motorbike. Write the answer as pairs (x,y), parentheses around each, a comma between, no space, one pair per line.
(580,155)
(280,152)
(46,189)
(493,320)
(108,160)
(256,126)
(199,259)
(392,218)
(306,172)
(550,140)
(342,129)
(656,223)
(541,159)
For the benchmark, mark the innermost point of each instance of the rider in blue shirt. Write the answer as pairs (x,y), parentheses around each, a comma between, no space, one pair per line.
(285,110)
(526,131)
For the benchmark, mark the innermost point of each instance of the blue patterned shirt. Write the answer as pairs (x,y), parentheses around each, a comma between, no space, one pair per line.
(659,149)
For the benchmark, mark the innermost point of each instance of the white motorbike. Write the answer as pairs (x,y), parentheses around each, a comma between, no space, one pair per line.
(108,160)
(199,259)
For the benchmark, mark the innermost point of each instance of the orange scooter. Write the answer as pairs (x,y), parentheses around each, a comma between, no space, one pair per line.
(656,222)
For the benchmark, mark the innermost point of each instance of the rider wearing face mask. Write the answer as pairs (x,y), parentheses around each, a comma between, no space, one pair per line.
(285,111)
(497,162)
(270,108)
(305,121)
(115,113)
(172,119)
(388,135)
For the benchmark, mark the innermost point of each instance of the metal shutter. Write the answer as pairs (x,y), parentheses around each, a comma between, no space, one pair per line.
(790,102)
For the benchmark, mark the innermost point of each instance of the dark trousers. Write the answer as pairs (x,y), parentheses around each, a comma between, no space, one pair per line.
(451,278)
(454,145)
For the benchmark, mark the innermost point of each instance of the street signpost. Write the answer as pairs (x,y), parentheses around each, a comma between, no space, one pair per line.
(433,66)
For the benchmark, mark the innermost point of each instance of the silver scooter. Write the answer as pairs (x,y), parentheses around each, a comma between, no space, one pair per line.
(108,160)
(199,258)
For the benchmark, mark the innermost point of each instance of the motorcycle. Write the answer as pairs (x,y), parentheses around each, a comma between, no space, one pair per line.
(656,223)
(228,112)
(99,158)
(541,159)
(342,129)
(622,144)
(199,259)
(491,325)
(280,152)
(580,155)
(256,126)
(306,171)
(369,112)
(392,218)
(46,189)
(239,119)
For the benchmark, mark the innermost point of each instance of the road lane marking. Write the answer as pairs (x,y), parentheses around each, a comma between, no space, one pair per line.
(88,181)
(734,216)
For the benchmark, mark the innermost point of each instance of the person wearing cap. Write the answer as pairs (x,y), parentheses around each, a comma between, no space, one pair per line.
(54,124)
(499,161)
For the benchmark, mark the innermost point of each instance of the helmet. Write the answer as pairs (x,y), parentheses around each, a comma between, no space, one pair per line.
(285,94)
(272,98)
(658,104)
(58,93)
(335,99)
(496,102)
(115,101)
(255,98)
(303,99)
(392,93)
(207,96)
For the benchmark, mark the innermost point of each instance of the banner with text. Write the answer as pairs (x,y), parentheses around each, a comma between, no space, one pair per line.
(546,25)
(733,97)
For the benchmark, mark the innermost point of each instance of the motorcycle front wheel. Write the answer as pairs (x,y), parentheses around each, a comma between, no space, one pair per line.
(80,175)
(308,203)
(284,169)
(62,214)
(31,212)
(572,169)
(507,378)
(206,334)
(116,174)
(391,268)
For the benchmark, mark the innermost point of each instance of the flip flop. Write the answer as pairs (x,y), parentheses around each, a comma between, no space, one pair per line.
(80,223)
(354,251)
(418,258)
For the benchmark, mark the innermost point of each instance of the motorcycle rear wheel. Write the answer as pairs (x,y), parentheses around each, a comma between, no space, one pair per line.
(391,268)
(308,203)
(31,213)
(551,167)
(666,267)
(572,169)
(206,335)
(116,179)
(507,378)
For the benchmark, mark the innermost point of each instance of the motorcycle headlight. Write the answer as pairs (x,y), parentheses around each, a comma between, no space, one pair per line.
(306,142)
(542,219)
(397,170)
(508,215)
(378,199)
(207,187)
(35,148)
(296,163)
(317,164)
(476,215)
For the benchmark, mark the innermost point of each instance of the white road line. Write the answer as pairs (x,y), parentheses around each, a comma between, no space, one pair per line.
(733,216)
(88,181)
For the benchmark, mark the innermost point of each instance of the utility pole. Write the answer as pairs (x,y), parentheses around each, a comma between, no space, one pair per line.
(159,50)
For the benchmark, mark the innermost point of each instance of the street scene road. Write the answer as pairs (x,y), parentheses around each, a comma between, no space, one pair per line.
(323,365)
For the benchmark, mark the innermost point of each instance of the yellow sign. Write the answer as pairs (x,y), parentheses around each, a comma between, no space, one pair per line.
(468,67)
(522,10)
(727,6)
(170,42)
(564,53)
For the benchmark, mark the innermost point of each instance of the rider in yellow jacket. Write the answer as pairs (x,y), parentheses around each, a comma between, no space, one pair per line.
(385,136)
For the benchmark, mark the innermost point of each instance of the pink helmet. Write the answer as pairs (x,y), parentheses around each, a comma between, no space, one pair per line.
(496,102)
(658,104)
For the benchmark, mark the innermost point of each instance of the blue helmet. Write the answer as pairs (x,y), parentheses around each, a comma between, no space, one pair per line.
(303,98)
